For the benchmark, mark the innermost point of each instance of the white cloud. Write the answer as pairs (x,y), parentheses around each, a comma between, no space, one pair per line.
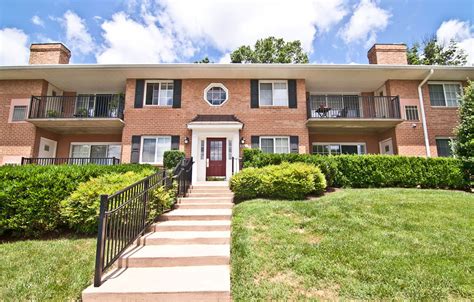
(459,31)
(128,41)
(365,22)
(13,47)
(77,35)
(225,59)
(37,20)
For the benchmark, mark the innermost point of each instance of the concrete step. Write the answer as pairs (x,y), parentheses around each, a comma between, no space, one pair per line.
(185,237)
(182,283)
(196,205)
(210,190)
(198,214)
(191,225)
(210,194)
(206,199)
(176,255)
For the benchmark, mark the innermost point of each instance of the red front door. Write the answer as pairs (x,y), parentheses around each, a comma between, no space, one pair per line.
(216,162)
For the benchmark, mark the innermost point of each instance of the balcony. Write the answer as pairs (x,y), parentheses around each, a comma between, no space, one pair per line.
(353,112)
(82,114)
(44,161)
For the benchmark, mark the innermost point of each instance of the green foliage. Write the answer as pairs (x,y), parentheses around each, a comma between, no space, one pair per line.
(203,61)
(80,211)
(435,53)
(270,50)
(30,195)
(464,143)
(163,199)
(172,158)
(365,171)
(287,181)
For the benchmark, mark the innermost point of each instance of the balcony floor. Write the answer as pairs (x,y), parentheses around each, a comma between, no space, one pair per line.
(351,125)
(80,125)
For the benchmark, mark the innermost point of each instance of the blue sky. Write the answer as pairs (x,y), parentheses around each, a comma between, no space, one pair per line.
(152,31)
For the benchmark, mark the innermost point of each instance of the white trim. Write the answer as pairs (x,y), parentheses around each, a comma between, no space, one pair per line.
(95,144)
(384,141)
(422,109)
(55,143)
(159,89)
(341,144)
(215,125)
(443,83)
(273,82)
(212,85)
(274,137)
(155,137)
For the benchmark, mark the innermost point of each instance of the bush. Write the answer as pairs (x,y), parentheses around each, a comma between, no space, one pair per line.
(285,181)
(80,211)
(162,199)
(172,158)
(364,171)
(30,195)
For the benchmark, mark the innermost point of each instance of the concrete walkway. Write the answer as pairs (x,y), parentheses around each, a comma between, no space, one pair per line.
(184,257)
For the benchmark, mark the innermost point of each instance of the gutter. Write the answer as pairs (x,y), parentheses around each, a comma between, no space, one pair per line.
(423,117)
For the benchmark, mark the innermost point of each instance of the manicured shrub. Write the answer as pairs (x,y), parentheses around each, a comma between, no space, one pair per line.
(363,171)
(172,158)
(162,199)
(80,211)
(30,195)
(285,181)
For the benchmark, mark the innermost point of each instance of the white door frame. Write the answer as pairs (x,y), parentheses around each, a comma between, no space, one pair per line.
(386,141)
(203,130)
(51,142)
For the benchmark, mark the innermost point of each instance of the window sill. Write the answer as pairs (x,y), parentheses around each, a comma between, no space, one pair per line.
(445,107)
(273,107)
(157,106)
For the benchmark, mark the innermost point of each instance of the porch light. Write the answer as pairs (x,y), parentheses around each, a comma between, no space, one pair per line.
(186,140)
(242,141)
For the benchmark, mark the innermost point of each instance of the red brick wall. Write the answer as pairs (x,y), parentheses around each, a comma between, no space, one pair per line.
(173,121)
(388,54)
(440,121)
(17,139)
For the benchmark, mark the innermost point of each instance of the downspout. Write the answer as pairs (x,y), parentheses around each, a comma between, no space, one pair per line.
(423,117)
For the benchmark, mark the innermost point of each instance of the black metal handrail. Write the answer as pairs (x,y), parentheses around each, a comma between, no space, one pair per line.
(353,107)
(43,161)
(125,215)
(81,106)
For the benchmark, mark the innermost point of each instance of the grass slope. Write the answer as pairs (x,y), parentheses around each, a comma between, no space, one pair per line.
(46,270)
(356,244)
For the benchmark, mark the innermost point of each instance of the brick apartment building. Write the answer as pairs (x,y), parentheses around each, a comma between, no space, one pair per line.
(135,112)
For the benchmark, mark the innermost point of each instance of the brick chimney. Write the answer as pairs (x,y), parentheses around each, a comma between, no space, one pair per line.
(395,54)
(49,53)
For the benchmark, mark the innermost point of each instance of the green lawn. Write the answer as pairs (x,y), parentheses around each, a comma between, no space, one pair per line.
(355,244)
(38,270)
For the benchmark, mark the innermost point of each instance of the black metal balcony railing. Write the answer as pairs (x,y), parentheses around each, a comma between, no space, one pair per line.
(43,161)
(81,106)
(353,107)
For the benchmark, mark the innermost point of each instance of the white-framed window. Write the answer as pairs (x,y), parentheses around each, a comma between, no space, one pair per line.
(444,94)
(158,93)
(411,113)
(153,149)
(273,93)
(444,146)
(95,150)
(216,94)
(278,144)
(19,113)
(339,148)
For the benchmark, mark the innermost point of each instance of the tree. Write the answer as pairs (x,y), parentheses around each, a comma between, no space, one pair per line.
(203,61)
(435,53)
(270,50)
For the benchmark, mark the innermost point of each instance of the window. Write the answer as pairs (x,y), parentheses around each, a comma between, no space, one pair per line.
(411,113)
(273,93)
(216,94)
(338,148)
(275,144)
(444,94)
(202,149)
(19,113)
(229,148)
(443,146)
(153,149)
(159,93)
(95,150)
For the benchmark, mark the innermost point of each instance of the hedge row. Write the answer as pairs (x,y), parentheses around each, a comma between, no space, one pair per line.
(30,195)
(285,181)
(366,171)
